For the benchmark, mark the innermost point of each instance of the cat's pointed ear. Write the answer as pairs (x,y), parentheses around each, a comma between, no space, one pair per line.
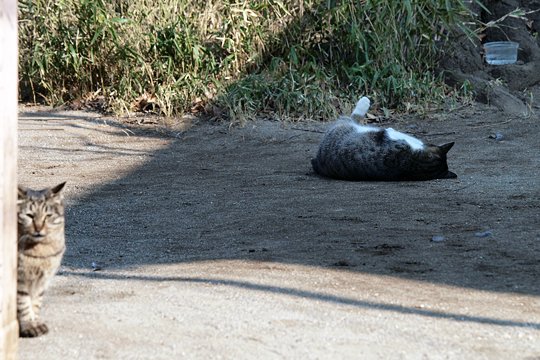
(21,192)
(55,190)
(446,147)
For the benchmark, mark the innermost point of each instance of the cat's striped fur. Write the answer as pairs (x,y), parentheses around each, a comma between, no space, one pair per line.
(41,246)
(350,151)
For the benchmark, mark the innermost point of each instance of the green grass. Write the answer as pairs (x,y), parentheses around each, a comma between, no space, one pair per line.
(238,59)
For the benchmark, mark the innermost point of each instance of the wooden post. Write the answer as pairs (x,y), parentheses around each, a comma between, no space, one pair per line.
(9,328)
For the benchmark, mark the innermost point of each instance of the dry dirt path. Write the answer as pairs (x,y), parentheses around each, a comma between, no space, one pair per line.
(219,243)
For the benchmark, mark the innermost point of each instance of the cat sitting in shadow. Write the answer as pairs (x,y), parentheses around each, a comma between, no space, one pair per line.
(350,151)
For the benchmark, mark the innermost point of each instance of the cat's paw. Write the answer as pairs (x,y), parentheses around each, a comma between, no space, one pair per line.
(361,108)
(32,329)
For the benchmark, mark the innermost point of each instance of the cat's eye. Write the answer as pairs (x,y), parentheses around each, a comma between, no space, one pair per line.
(30,215)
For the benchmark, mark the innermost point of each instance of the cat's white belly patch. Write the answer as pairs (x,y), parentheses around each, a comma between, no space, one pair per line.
(364,129)
(413,142)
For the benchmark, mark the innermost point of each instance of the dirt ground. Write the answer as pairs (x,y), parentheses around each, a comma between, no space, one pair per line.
(217,242)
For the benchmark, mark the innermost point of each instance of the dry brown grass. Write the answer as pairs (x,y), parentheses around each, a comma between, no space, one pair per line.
(238,59)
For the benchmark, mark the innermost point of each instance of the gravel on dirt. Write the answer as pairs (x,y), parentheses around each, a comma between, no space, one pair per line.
(206,241)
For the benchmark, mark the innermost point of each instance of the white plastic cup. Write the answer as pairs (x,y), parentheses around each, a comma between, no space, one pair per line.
(501,52)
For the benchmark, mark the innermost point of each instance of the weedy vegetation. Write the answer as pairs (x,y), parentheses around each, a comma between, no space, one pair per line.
(236,59)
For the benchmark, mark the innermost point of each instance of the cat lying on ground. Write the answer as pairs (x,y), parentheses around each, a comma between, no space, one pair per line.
(350,151)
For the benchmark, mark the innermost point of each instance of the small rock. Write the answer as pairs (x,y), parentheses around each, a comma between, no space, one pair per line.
(438,238)
(497,136)
(95,266)
(342,263)
(483,234)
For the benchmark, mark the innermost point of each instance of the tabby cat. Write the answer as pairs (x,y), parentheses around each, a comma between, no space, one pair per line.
(40,249)
(350,151)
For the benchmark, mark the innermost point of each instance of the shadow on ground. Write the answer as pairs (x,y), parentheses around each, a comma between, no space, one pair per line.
(216,192)
(313,295)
